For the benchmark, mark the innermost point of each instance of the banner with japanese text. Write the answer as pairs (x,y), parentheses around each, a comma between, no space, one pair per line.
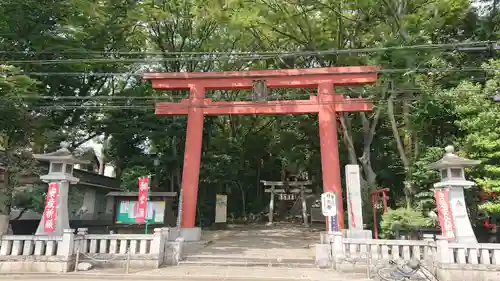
(142,204)
(444,213)
(50,211)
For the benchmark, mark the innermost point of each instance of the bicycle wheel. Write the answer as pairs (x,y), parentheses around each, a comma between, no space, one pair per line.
(390,274)
(427,274)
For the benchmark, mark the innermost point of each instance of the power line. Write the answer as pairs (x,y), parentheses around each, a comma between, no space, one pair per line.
(380,71)
(212,57)
(56,98)
(460,46)
(148,60)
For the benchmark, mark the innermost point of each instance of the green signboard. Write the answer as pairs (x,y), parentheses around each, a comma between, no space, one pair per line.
(127,210)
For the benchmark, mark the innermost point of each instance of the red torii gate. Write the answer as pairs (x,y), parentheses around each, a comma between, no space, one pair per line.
(326,104)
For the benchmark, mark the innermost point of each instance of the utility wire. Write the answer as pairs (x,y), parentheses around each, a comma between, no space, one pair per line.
(380,71)
(460,46)
(180,58)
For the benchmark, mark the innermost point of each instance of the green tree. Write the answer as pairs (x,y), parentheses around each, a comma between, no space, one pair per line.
(16,132)
(479,119)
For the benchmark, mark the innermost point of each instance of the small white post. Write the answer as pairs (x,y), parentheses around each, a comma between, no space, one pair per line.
(271,206)
(304,206)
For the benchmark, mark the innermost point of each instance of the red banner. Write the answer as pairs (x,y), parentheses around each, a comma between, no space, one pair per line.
(142,204)
(444,213)
(50,211)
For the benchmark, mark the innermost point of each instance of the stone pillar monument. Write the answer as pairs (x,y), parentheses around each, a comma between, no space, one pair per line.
(449,194)
(59,178)
(355,204)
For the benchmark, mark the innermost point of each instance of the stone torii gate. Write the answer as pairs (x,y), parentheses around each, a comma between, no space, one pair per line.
(300,188)
(326,104)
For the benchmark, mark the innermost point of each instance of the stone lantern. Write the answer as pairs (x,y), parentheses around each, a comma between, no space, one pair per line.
(450,200)
(60,172)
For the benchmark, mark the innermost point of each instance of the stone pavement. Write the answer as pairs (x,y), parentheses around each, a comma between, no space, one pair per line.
(281,241)
(199,273)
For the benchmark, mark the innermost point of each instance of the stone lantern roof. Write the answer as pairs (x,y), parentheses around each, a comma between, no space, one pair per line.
(452,171)
(451,160)
(61,155)
(61,164)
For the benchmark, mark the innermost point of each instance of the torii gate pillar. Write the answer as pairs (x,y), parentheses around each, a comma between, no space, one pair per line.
(326,104)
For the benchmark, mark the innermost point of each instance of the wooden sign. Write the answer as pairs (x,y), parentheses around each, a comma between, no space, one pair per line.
(287,196)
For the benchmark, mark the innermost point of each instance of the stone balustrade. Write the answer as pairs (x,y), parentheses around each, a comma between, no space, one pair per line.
(27,245)
(485,253)
(116,244)
(448,260)
(37,253)
(384,250)
(25,253)
(478,262)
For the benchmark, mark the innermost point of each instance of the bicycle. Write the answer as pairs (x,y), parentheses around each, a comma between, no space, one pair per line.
(411,270)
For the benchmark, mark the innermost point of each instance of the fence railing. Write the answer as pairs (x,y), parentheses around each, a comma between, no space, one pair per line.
(29,245)
(389,249)
(448,260)
(484,253)
(28,253)
(116,243)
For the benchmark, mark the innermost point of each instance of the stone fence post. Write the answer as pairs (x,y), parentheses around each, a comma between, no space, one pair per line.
(65,250)
(81,242)
(443,252)
(82,231)
(443,258)
(338,246)
(330,250)
(160,237)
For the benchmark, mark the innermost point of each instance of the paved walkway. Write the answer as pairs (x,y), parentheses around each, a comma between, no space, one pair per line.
(256,241)
(199,273)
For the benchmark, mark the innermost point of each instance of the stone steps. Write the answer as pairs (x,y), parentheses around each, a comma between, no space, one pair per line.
(191,248)
(247,261)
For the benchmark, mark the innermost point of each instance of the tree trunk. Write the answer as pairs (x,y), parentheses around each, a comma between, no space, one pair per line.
(173,145)
(102,160)
(172,182)
(368,134)
(258,185)
(347,138)
(401,150)
(5,202)
(179,178)
(243,202)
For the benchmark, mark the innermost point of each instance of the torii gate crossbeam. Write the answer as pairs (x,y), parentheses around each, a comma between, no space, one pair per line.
(327,104)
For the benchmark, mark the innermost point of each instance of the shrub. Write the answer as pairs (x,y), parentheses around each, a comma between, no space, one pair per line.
(402,220)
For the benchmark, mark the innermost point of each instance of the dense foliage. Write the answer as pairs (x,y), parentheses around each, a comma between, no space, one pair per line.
(403,221)
(51,51)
